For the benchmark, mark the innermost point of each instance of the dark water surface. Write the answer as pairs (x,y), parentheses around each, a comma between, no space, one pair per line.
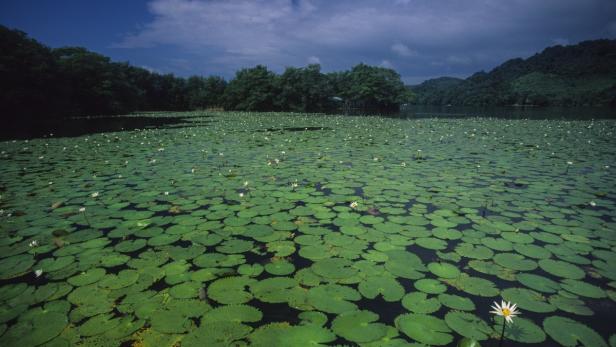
(560,113)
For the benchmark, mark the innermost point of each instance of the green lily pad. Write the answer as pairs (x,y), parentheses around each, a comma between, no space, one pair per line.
(515,262)
(571,305)
(430,286)
(522,330)
(87,277)
(418,302)
(474,285)
(358,326)
(285,335)
(280,268)
(528,300)
(221,333)
(333,298)
(568,332)
(169,321)
(15,266)
(185,290)
(468,325)
(456,302)
(538,283)
(425,329)
(98,325)
(334,268)
(274,289)
(313,317)
(232,313)
(387,286)
(444,270)
(562,269)
(230,290)
(583,289)
(37,329)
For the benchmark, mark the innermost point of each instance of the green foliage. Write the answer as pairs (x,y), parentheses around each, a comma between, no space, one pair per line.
(568,332)
(468,325)
(359,326)
(304,90)
(425,329)
(251,90)
(38,81)
(374,88)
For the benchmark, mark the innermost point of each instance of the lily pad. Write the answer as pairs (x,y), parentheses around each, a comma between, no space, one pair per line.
(230,290)
(568,332)
(562,269)
(418,302)
(444,270)
(425,329)
(333,298)
(528,300)
(468,325)
(387,286)
(359,326)
(232,313)
(456,302)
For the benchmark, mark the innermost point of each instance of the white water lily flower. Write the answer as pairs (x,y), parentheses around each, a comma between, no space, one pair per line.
(592,203)
(95,194)
(33,243)
(353,204)
(82,209)
(38,272)
(506,310)
(241,195)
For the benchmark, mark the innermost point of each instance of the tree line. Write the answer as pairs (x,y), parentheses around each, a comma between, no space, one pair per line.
(39,81)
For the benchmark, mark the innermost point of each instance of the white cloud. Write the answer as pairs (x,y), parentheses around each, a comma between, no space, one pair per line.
(386,64)
(225,35)
(314,60)
(403,50)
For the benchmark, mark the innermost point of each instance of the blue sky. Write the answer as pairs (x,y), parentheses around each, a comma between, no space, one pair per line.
(420,39)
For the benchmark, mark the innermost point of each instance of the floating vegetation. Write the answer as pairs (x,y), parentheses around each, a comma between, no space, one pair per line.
(292,230)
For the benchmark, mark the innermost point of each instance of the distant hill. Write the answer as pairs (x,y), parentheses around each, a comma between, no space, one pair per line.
(576,75)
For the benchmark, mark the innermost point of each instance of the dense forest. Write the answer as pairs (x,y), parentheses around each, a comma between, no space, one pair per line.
(37,81)
(577,75)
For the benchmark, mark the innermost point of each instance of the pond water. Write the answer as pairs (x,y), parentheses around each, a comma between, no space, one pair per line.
(558,113)
(295,230)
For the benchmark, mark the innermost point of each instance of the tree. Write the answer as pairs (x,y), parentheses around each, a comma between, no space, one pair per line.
(376,88)
(252,89)
(304,90)
(27,76)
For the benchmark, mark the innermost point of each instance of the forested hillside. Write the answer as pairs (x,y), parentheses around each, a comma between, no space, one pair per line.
(582,74)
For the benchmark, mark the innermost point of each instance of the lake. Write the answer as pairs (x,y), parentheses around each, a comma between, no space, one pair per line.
(559,113)
(274,229)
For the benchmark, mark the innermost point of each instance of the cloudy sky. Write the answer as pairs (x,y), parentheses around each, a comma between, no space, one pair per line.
(420,39)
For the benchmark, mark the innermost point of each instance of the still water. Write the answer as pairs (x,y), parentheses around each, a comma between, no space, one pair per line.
(562,113)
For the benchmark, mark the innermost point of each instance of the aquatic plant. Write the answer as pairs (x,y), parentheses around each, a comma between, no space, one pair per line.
(202,264)
(508,312)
